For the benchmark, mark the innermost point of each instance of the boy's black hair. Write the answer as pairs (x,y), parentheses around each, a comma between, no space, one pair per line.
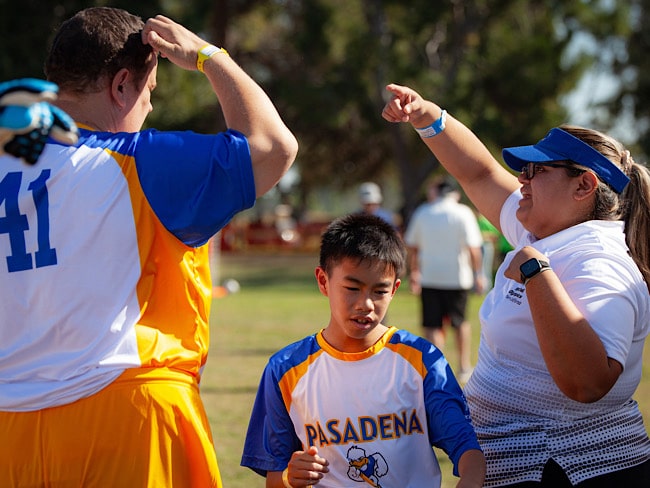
(446,186)
(363,237)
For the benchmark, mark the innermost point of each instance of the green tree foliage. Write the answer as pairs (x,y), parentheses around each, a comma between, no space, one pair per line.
(27,28)
(632,67)
(497,65)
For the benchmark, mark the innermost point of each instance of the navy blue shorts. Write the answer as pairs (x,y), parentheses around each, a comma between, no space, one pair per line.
(438,304)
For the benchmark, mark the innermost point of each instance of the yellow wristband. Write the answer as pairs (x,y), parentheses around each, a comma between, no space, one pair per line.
(285,478)
(207,52)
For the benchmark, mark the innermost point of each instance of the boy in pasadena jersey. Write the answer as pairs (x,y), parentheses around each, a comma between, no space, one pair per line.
(360,401)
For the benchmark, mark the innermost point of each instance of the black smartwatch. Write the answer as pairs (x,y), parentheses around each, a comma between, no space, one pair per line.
(531,268)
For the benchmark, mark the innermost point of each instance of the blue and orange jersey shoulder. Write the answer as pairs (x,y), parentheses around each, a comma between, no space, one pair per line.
(123,221)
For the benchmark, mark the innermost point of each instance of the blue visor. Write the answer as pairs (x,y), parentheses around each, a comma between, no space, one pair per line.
(559,145)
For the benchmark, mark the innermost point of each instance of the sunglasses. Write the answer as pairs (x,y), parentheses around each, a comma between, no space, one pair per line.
(529,170)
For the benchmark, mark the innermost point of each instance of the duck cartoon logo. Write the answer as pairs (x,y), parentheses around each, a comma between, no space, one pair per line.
(364,468)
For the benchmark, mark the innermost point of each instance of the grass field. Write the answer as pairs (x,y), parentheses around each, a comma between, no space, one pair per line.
(278,304)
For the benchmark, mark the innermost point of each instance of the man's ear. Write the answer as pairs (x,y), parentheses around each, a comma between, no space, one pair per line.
(118,86)
(587,185)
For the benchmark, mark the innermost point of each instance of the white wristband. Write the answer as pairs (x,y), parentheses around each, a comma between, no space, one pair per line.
(434,129)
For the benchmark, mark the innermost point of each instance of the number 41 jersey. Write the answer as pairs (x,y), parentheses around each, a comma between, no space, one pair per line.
(103,258)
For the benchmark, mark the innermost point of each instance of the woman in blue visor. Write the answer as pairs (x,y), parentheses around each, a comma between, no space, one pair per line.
(563,329)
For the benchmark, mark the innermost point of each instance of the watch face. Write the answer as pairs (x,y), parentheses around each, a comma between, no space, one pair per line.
(530,267)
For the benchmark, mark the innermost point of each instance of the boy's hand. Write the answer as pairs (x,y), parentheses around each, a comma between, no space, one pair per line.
(306,468)
(27,119)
